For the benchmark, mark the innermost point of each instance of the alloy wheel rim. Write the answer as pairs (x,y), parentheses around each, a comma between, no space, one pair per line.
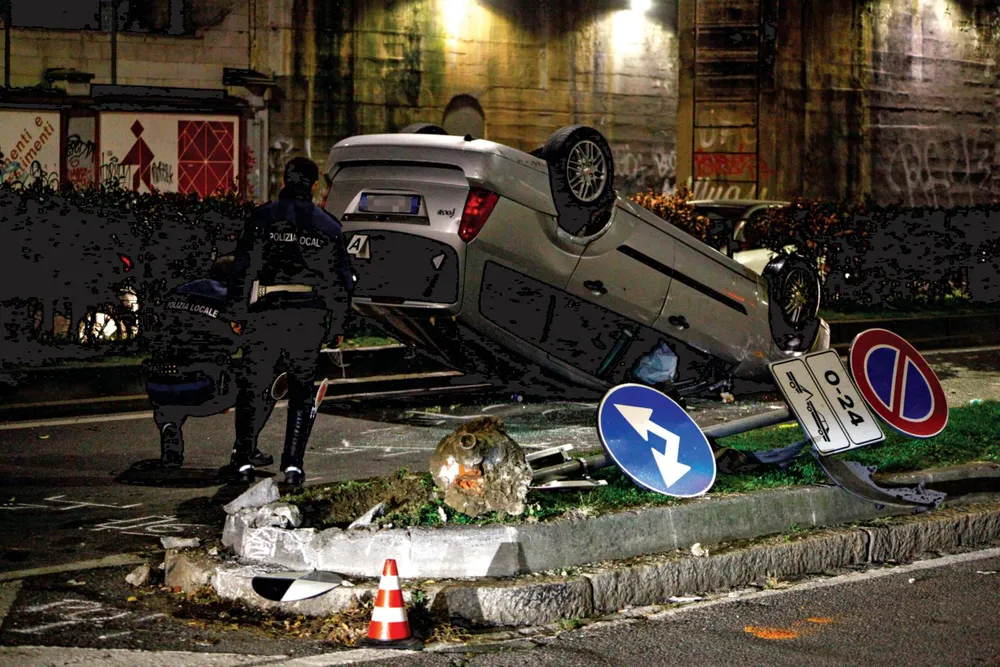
(799,292)
(586,171)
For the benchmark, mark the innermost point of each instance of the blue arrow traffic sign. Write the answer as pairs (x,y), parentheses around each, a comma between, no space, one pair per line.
(654,441)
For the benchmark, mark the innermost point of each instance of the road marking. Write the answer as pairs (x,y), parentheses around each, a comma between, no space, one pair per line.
(45,655)
(149,525)
(107,561)
(8,594)
(854,577)
(72,421)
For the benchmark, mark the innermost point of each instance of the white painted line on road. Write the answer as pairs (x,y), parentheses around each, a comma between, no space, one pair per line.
(960,350)
(125,416)
(8,594)
(841,580)
(354,657)
(77,401)
(107,561)
(37,656)
(443,416)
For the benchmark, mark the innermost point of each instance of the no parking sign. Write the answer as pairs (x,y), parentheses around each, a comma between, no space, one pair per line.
(898,384)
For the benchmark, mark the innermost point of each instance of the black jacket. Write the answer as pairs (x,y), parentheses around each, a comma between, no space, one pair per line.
(292,241)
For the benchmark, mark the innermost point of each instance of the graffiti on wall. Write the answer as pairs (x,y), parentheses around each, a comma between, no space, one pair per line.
(81,155)
(29,147)
(639,170)
(726,166)
(656,170)
(169,152)
(935,166)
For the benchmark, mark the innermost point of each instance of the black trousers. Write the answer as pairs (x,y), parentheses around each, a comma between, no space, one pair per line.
(295,335)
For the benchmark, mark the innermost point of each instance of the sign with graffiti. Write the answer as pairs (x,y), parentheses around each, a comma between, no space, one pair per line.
(170,152)
(29,144)
(81,152)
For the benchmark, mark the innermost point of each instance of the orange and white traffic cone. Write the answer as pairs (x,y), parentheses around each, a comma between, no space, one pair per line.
(390,628)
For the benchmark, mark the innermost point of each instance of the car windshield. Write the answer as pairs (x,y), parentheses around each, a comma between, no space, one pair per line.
(714,213)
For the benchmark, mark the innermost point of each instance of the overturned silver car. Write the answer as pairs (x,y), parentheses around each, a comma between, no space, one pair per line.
(529,270)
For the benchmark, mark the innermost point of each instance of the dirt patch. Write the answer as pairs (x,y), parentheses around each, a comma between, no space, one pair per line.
(337,505)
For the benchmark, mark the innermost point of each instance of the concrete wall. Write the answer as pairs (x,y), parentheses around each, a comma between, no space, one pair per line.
(148,60)
(896,98)
(374,66)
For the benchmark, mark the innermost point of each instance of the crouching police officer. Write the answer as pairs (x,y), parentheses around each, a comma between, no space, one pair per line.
(189,374)
(293,272)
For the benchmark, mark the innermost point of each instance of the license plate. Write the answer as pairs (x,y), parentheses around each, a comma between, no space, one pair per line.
(373,202)
(826,402)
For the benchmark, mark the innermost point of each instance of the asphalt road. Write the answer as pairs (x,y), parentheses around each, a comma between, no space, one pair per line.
(934,612)
(61,502)
(942,615)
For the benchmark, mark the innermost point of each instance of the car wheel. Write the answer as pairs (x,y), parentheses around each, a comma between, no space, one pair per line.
(794,290)
(582,174)
(424,128)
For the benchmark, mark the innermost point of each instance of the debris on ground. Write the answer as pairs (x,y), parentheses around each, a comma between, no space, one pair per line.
(277,514)
(139,576)
(727,397)
(480,469)
(180,542)
(698,551)
(365,520)
(262,493)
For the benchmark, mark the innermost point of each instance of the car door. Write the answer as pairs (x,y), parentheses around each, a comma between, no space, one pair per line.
(627,269)
(710,301)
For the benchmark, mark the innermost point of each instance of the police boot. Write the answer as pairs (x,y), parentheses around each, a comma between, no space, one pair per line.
(171,446)
(240,470)
(300,421)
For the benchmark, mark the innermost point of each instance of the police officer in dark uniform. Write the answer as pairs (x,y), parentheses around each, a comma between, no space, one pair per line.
(293,274)
(192,339)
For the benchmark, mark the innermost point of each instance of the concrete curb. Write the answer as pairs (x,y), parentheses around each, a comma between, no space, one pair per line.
(651,580)
(512,550)
(925,333)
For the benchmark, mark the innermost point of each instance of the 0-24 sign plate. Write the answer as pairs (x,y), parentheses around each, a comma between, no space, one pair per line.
(826,402)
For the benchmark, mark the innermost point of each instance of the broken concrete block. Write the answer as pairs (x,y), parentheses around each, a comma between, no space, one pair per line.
(481,469)
(366,519)
(278,515)
(232,532)
(139,576)
(180,542)
(258,495)
(188,570)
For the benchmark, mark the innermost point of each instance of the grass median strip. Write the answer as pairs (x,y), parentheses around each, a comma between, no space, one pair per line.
(972,435)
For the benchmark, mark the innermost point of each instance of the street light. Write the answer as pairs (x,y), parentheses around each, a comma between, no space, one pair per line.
(641,6)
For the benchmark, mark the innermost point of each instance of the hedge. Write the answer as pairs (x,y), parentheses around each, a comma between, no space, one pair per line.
(871,256)
(72,251)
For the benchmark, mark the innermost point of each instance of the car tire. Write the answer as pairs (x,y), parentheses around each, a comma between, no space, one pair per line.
(424,128)
(794,291)
(582,174)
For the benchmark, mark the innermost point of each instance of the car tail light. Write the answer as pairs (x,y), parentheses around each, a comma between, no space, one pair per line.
(478,207)
(325,197)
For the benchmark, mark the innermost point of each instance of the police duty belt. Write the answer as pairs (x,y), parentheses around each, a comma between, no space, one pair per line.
(258,291)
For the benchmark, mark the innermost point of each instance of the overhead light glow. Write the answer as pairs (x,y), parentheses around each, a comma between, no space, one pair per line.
(641,6)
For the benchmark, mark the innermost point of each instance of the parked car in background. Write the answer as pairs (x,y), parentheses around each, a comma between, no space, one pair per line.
(530,270)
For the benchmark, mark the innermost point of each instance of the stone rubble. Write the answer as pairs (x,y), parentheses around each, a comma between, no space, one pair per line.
(262,493)
(365,520)
(180,542)
(139,576)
